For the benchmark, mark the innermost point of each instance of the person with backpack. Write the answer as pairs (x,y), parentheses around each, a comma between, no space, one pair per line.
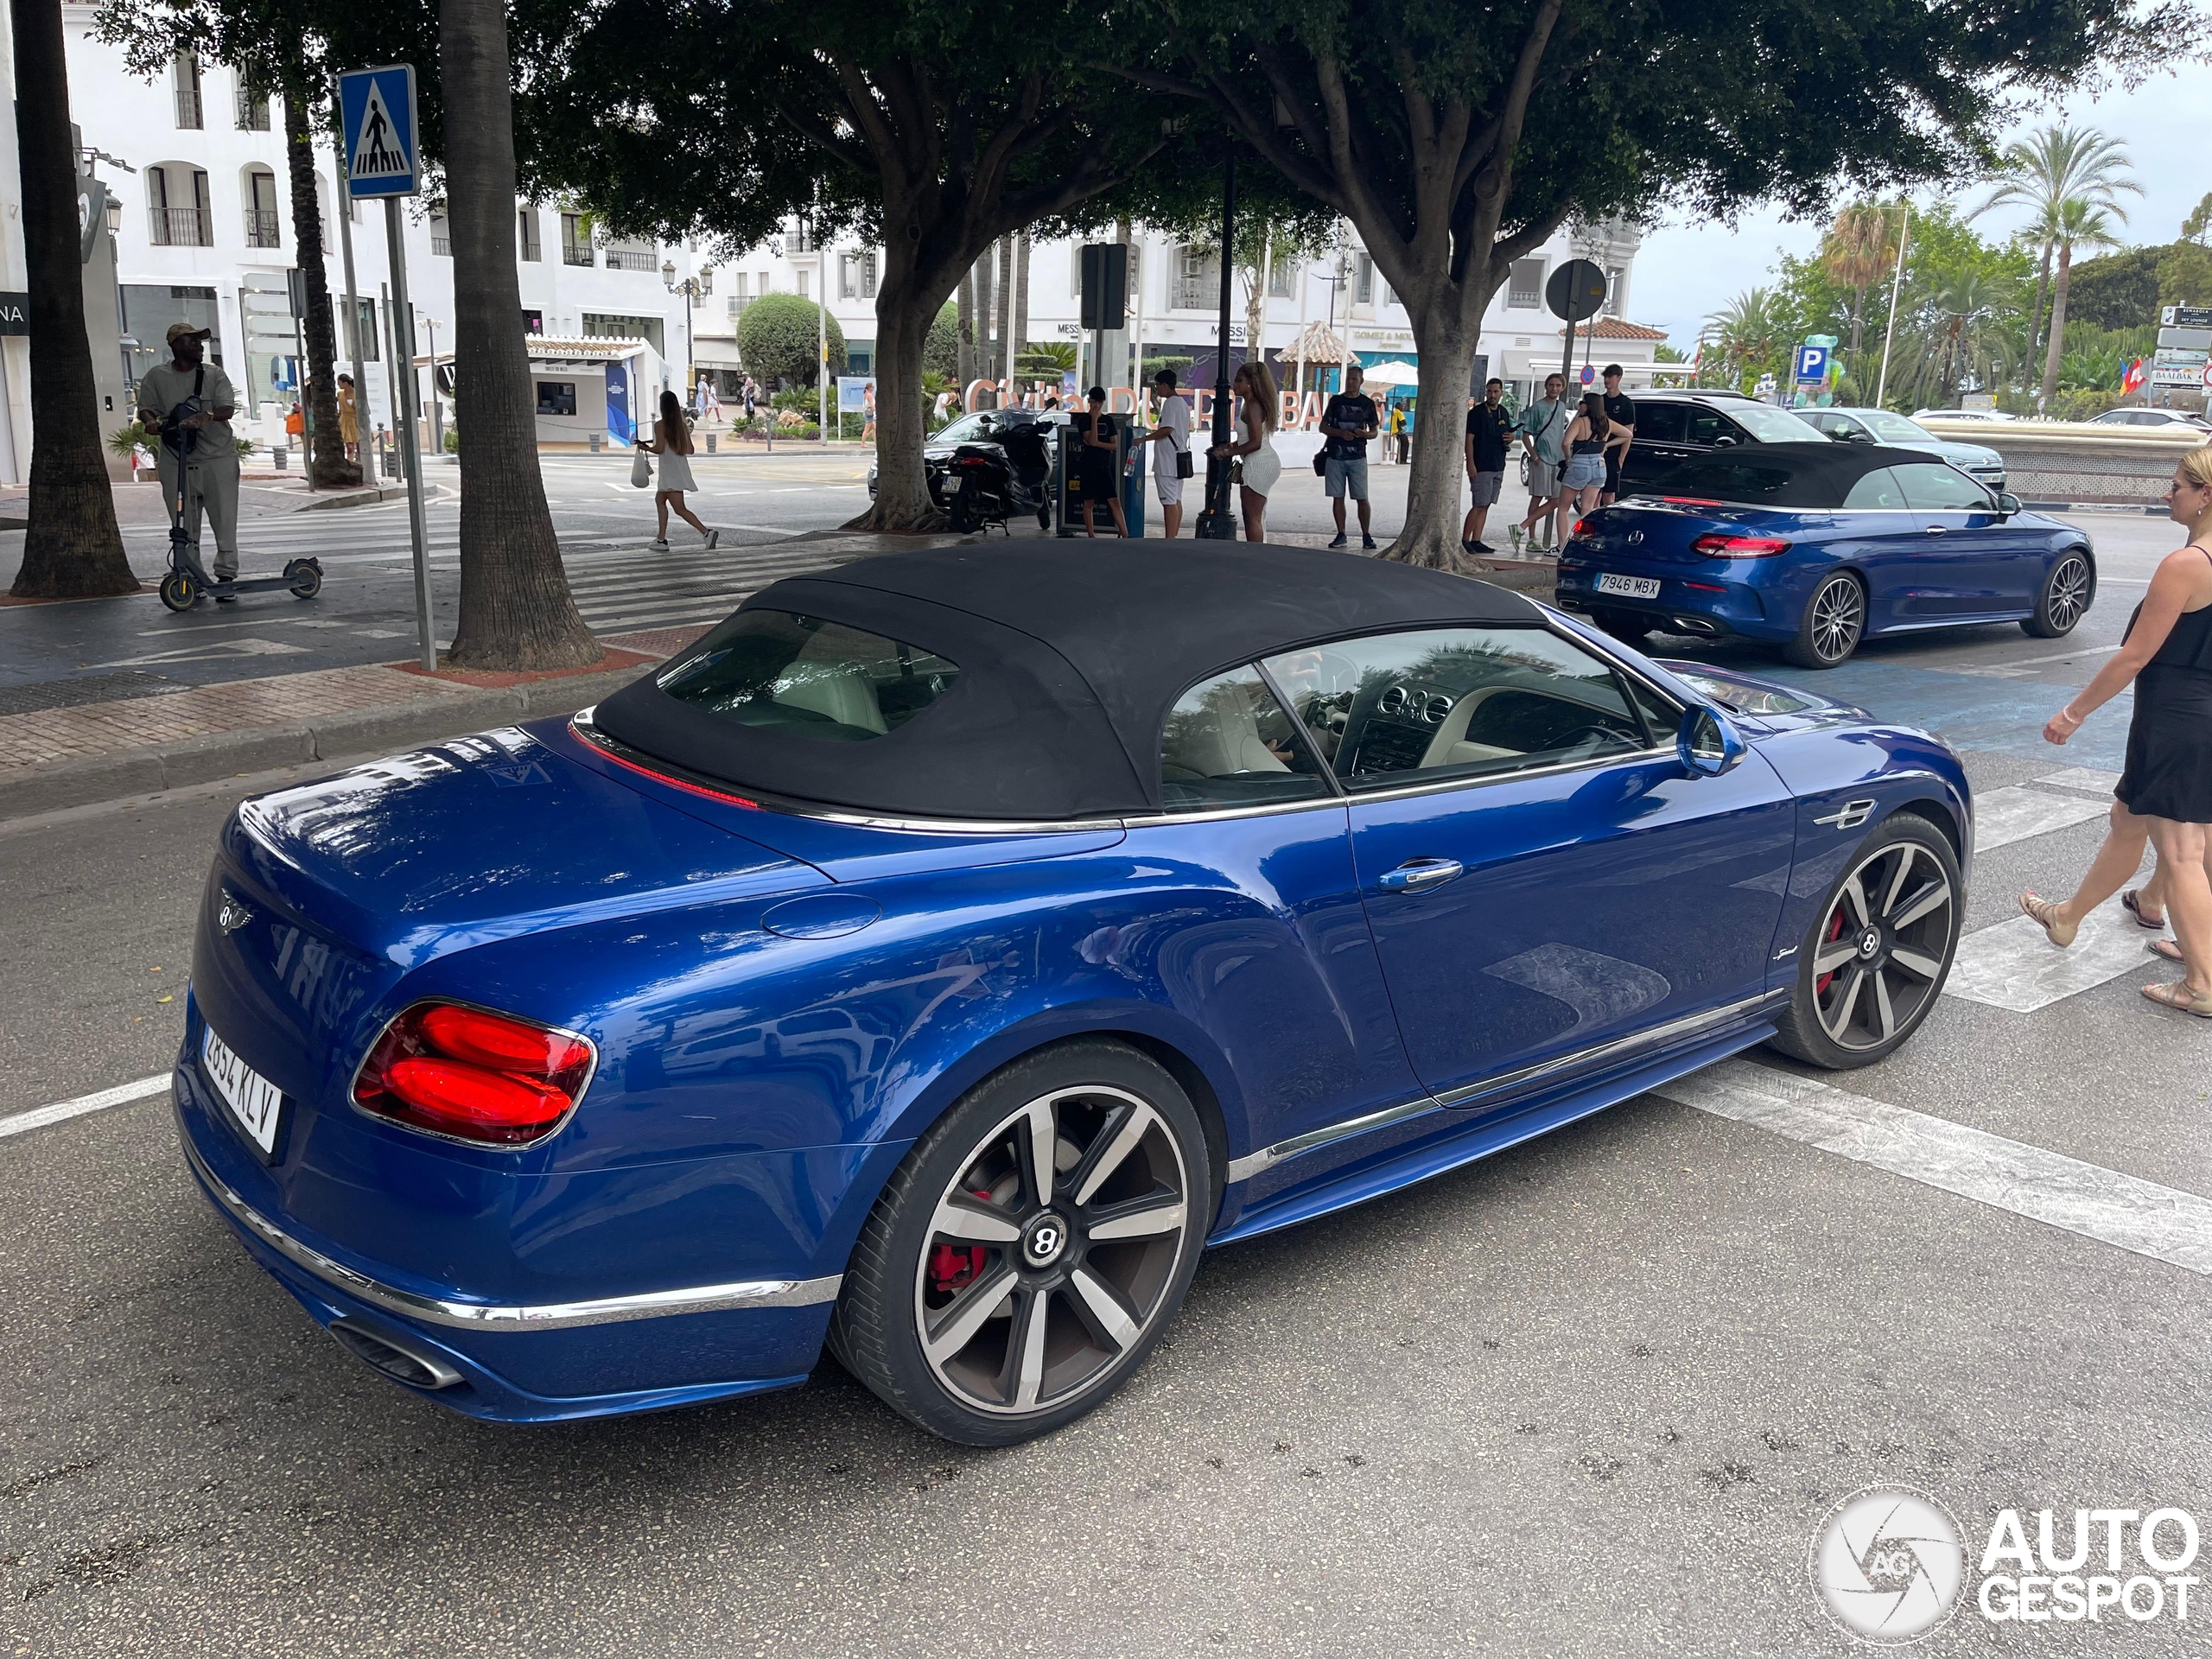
(1173,430)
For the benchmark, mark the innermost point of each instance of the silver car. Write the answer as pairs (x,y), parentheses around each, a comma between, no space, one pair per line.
(1984,464)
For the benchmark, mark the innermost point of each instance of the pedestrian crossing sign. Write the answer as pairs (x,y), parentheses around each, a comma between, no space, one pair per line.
(383,157)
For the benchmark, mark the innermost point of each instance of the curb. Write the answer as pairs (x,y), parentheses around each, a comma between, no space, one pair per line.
(367,496)
(94,778)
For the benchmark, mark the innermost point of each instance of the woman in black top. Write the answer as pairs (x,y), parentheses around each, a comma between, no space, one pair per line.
(1097,470)
(2165,793)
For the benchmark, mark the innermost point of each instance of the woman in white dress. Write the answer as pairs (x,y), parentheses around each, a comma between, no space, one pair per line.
(1256,416)
(671,441)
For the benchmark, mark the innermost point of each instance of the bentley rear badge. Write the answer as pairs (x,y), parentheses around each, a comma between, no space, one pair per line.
(233,916)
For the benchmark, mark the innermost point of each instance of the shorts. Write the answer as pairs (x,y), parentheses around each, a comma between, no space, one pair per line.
(1165,481)
(1344,475)
(1612,472)
(1583,473)
(1543,478)
(1487,485)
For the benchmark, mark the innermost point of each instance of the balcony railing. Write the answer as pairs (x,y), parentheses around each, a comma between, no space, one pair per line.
(576,253)
(441,245)
(252,111)
(630,259)
(260,227)
(1195,293)
(179,227)
(187,107)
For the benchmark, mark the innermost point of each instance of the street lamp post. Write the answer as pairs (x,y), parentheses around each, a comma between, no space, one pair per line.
(692,289)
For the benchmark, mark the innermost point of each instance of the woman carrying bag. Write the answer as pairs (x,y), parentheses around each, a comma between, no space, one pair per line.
(671,441)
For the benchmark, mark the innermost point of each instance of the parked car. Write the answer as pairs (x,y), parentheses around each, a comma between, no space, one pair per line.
(981,426)
(1673,427)
(934,957)
(1813,547)
(1962,415)
(2169,419)
(1977,462)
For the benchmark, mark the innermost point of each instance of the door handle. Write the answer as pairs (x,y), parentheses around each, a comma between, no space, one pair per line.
(1937,530)
(1420,873)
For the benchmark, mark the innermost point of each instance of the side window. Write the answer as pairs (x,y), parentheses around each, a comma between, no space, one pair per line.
(1402,708)
(1879,491)
(1709,426)
(1660,422)
(1932,488)
(1228,743)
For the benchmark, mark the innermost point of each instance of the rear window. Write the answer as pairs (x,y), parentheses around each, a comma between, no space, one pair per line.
(809,678)
(1752,478)
(1772,425)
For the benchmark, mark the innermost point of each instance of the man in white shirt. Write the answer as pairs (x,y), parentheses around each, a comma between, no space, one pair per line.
(1173,430)
(212,470)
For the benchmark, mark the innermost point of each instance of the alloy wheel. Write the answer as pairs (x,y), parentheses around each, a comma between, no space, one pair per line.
(1877,967)
(2070,593)
(1839,614)
(1052,1254)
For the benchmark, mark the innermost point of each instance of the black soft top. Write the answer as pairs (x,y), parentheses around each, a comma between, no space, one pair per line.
(1069,663)
(1805,475)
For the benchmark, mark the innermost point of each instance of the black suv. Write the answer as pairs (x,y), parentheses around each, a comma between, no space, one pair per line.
(1673,427)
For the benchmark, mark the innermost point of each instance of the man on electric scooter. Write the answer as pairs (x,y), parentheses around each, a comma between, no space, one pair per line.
(199,398)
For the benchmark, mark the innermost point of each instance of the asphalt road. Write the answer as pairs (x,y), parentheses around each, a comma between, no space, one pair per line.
(1593,1396)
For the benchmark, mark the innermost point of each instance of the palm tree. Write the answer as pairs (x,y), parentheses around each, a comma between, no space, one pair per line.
(2079,223)
(2040,174)
(1857,252)
(1747,331)
(73,549)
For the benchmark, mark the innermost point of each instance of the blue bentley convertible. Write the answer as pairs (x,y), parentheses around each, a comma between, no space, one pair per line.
(937,956)
(1813,547)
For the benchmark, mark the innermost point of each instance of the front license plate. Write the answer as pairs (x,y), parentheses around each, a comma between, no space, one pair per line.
(1629,587)
(257,1103)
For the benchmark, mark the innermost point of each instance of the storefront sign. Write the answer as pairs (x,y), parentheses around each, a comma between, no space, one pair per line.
(14,314)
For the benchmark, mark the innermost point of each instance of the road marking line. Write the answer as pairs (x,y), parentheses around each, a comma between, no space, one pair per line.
(2013,966)
(2082,778)
(2124,1210)
(122,1095)
(2004,815)
(2020,666)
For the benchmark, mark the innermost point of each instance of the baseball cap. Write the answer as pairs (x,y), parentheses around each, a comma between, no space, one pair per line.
(186,331)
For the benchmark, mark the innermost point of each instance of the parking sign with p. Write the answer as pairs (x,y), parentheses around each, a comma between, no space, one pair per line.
(1812,365)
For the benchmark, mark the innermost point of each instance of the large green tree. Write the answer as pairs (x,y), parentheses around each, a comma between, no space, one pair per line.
(1456,145)
(73,549)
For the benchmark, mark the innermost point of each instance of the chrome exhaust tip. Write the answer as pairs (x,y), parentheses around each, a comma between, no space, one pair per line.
(385,1354)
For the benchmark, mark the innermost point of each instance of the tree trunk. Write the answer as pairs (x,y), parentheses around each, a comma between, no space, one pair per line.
(1003,316)
(2035,317)
(1021,337)
(516,612)
(72,549)
(967,321)
(1446,343)
(327,468)
(2058,322)
(903,313)
(1858,329)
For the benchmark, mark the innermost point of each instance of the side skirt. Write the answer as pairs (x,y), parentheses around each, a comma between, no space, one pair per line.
(1484,1138)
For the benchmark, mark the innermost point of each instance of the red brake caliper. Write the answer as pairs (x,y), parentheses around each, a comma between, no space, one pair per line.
(954,1267)
(1835,932)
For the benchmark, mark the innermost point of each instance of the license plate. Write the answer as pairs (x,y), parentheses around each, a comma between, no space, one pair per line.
(257,1102)
(1629,587)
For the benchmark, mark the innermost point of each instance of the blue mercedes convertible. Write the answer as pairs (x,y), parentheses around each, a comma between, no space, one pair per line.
(1814,547)
(933,958)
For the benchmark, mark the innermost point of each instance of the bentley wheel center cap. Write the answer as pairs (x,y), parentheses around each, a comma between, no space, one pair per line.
(1870,942)
(1044,1240)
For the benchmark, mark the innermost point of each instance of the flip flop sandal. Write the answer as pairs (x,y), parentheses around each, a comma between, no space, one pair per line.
(2167,948)
(2129,901)
(2040,912)
(2180,998)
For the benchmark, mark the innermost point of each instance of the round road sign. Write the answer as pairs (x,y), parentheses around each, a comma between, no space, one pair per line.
(1575,291)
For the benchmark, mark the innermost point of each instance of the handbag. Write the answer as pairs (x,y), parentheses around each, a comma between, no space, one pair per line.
(1185,465)
(1321,463)
(641,469)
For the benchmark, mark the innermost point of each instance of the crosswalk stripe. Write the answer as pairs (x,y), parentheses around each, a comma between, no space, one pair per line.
(2014,965)
(2004,815)
(2086,1199)
(2082,778)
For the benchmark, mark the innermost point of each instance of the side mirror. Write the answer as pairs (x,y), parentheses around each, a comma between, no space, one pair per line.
(1723,441)
(1707,744)
(2008,504)
(1859,437)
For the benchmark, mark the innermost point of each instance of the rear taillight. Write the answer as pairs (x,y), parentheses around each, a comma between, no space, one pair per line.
(1580,526)
(1718,546)
(1690,501)
(475,1076)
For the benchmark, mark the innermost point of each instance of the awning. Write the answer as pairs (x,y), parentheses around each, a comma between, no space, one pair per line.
(715,353)
(1396,372)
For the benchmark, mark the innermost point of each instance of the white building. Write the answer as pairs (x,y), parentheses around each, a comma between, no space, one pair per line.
(205,235)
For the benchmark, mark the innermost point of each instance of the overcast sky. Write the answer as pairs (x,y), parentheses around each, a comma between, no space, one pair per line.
(1685,270)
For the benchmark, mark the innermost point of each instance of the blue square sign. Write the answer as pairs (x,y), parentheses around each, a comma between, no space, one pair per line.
(383,156)
(1812,365)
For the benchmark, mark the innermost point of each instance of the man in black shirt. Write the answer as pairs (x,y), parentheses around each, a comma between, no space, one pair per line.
(1489,429)
(1348,422)
(1620,408)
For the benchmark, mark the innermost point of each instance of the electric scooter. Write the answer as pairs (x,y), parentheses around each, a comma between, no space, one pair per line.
(186,578)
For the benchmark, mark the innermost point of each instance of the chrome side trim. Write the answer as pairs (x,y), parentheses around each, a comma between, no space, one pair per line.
(494,1316)
(1558,768)
(1253,1163)
(582,724)
(1689,1025)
